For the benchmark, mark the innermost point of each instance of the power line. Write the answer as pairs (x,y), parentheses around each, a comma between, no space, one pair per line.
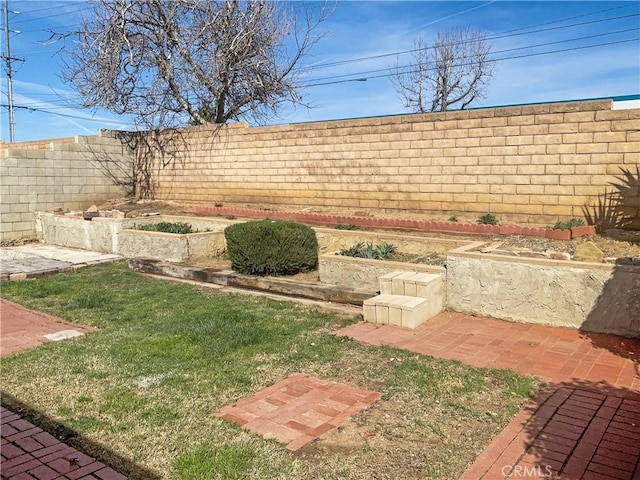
(41,110)
(569,18)
(9,72)
(588,37)
(363,79)
(332,79)
(494,37)
(50,16)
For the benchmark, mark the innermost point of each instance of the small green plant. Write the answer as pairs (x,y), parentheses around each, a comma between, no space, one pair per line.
(218,204)
(569,224)
(168,227)
(271,247)
(230,217)
(384,251)
(348,226)
(453,218)
(488,219)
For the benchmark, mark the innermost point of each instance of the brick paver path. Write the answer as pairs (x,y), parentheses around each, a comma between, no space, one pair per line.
(21,328)
(550,353)
(298,409)
(572,434)
(29,453)
(586,426)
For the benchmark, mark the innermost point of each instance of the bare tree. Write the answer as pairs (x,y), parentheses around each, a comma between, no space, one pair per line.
(451,73)
(173,62)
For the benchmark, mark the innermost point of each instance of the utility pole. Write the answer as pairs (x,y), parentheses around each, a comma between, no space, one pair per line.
(7,59)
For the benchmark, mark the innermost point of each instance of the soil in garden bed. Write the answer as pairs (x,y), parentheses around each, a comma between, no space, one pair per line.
(609,246)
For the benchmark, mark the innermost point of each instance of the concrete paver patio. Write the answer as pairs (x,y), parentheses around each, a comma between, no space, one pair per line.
(35,260)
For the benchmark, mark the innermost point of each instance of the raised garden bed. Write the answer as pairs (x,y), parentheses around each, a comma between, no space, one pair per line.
(596,297)
(591,296)
(123,237)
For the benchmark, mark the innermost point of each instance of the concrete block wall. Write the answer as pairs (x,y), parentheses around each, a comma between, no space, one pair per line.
(532,164)
(37,144)
(54,175)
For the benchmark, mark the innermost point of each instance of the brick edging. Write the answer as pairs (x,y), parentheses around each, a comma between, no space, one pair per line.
(422,225)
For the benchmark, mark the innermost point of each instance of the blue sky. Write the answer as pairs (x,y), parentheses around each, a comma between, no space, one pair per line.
(357,30)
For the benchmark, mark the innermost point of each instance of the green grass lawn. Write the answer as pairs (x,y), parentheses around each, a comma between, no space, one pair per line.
(167,355)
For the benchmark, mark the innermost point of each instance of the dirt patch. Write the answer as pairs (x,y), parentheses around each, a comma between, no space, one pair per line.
(610,247)
(18,242)
(137,209)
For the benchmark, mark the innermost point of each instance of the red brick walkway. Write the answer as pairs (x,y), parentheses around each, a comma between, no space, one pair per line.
(572,434)
(298,409)
(22,328)
(552,354)
(586,426)
(29,453)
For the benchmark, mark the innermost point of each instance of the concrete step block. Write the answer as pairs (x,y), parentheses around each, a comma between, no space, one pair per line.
(369,311)
(396,305)
(386,282)
(430,286)
(417,311)
(400,310)
(376,309)
(398,283)
(412,281)
(427,278)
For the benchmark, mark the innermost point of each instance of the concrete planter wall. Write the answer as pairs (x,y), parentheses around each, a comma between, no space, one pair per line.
(363,274)
(99,235)
(170,247)
(589,296)
(592,297)
(103,234)
(119,236)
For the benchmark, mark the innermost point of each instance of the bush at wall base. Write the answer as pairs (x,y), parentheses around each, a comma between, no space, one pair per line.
(271,247)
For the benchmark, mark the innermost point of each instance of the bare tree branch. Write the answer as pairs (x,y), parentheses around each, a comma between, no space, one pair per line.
(173,62)
(452,73)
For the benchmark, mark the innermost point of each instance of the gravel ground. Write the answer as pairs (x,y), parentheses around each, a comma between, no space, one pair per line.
(610,247)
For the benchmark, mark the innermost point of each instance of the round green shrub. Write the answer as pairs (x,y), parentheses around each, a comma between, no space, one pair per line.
(271,247)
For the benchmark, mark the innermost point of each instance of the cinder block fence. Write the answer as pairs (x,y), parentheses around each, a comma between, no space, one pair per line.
(50,174)
(530,164)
